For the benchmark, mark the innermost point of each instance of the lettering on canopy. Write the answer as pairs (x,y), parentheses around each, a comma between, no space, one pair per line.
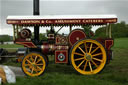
(30,21)
(62,21)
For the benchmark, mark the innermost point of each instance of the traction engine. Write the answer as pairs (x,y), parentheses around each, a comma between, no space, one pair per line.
(87,56)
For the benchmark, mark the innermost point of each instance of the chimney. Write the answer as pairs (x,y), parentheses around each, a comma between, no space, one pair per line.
(36,7)
(36,12)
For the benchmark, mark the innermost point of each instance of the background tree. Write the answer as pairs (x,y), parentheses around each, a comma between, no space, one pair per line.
(88,30)
(5,38)
(118,30)
(43,36)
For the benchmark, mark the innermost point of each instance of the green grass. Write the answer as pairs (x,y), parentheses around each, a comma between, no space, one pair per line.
(10,46)
(115,73)
(121,43)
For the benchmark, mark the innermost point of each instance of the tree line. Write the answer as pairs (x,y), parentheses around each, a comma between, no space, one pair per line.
(119,30)
(5,38)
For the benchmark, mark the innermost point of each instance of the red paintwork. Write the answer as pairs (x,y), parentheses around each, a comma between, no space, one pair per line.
(64,52)
(61,40)
(27,44)
(76,35)
(50,48)
(108,43)
(101,40)
(45,48)
(20,40)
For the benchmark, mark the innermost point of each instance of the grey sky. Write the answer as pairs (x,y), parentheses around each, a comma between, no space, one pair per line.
(63,7)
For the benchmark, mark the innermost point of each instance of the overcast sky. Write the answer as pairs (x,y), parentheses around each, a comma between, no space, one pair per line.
(61,7)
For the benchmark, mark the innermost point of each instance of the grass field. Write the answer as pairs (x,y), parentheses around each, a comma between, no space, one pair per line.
(116,73)
(10,46)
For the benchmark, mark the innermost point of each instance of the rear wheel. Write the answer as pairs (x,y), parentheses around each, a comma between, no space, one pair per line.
(34,64)
(88,56)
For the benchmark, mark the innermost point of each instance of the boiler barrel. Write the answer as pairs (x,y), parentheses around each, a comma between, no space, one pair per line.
(50,48)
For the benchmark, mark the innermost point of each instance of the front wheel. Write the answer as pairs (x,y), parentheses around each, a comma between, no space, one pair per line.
(34,64)
(88,56)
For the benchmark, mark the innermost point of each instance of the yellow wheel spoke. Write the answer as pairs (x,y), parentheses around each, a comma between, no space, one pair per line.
(85,65)
(78,54)
(32,58)
(28,61)
(30,67)
(80,64)
(35,59)
(97,54)
(39,68)
(94,63)
(81,50)
(38,60)
(90,66)
(27,64)
(95,50)
(39,64)
(36,70)
(90,47)
(32,70)
(85,47)
(78,59)
(98,59)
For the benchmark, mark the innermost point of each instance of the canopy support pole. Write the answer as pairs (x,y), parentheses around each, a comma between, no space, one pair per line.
(70,28)
(17,31)
(107,27)
(110,31)
(13,32)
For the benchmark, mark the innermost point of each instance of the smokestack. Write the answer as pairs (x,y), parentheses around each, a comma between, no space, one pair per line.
(36,7)
(36,12)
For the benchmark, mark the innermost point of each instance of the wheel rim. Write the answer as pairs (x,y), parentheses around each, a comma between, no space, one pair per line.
(88,57)
(33,64)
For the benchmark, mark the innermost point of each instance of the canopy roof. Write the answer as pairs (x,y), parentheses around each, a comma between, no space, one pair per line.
(62,20)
